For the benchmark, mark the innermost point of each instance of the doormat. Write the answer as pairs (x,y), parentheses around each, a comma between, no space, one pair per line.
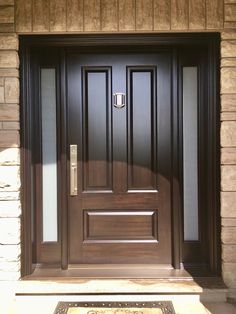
(161,307)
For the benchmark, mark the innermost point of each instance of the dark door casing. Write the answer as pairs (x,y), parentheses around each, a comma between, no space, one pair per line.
(128,209)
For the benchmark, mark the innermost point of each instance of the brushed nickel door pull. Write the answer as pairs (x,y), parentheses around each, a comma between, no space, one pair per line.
(73,170)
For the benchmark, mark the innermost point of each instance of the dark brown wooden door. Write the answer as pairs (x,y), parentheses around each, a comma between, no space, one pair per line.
(122,213)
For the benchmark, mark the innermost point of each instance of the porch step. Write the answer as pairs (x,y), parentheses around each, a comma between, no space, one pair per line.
(204,289)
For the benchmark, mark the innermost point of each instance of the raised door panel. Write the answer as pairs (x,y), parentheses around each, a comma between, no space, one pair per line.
(142,128)
(97,166)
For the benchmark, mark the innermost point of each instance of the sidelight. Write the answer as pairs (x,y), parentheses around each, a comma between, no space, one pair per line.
(190,153)
(49,154)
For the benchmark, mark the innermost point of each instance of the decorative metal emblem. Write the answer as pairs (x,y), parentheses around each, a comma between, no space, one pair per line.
(119,100)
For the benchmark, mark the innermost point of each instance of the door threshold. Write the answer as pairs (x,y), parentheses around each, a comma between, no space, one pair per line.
(115,271)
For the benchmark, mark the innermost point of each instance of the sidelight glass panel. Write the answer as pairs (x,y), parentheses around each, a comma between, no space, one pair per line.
(49,154)
(190,153)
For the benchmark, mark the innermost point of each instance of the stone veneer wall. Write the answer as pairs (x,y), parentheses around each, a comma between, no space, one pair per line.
(77,16)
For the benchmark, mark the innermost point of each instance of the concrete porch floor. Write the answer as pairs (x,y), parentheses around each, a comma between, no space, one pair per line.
(188,296)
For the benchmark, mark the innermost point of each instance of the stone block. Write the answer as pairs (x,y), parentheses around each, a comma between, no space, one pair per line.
(228,235)
(228,62)
(10,231)
(228,178)
(9,139)
(9,178)
(228,204)
(9,112)
(10,253)
(229,274)
(228,116)
(228,80)
(7,2)
(230,12)
(8,59)
(229,253)
(228,48)
(1,81)
(228,156)
(13,266)
(228,133)
(9,72)
(9,196)
(228,222)
(10,276)
(228,34)
(11,125)
(7,14)
(10,209)
(2,98)
(9,156)
(228,102)
(12,90)
(9,42)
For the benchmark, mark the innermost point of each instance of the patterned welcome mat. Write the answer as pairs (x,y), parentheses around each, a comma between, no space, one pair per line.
(161,307)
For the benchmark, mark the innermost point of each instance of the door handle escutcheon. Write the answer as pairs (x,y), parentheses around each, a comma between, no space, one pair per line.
(73,170)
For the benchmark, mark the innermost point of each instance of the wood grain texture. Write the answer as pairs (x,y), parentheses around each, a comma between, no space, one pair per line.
(197,14)
(179,14)
(162,14)
(126,15)
(214,14)
(23,9)
(92,15)
(144,15)
(40,16)
(75,15)
(109,15)
(230,12)
(57,15)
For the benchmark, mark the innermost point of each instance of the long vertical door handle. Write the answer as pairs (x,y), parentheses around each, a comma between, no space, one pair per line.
(73,170)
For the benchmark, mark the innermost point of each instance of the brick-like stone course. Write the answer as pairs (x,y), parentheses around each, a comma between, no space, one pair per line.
(10,207)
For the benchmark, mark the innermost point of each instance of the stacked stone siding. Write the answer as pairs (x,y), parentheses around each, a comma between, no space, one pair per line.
(66,16)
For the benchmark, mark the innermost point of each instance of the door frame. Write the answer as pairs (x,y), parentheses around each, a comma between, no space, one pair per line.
(209,40)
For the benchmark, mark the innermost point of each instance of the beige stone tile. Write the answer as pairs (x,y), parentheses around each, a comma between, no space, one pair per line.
(9,196)
(9,178)
(228,235)
(2,98)
(228,178)
(228,102)
(8,59)
(10,209)
(9,156)
(229,253)
(8,42)
(9,112)
(229,274)
(10,231)
(12,90)
(7,14)
(228,80)
(228,204)
(228,156)
(228,48)
(228,133)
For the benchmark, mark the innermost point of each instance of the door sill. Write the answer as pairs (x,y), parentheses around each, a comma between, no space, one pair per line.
(86,271)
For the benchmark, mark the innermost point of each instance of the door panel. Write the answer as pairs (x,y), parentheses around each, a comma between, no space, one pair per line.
(122,213)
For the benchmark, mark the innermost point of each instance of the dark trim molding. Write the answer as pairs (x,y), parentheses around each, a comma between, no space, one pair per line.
(211,42)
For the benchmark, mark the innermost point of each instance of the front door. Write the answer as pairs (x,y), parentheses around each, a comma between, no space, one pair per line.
(119,126)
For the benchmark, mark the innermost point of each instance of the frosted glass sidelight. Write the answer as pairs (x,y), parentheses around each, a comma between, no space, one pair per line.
(190,153)
(49,154)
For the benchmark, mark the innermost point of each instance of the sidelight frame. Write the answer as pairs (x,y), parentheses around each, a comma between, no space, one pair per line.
(144,41)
